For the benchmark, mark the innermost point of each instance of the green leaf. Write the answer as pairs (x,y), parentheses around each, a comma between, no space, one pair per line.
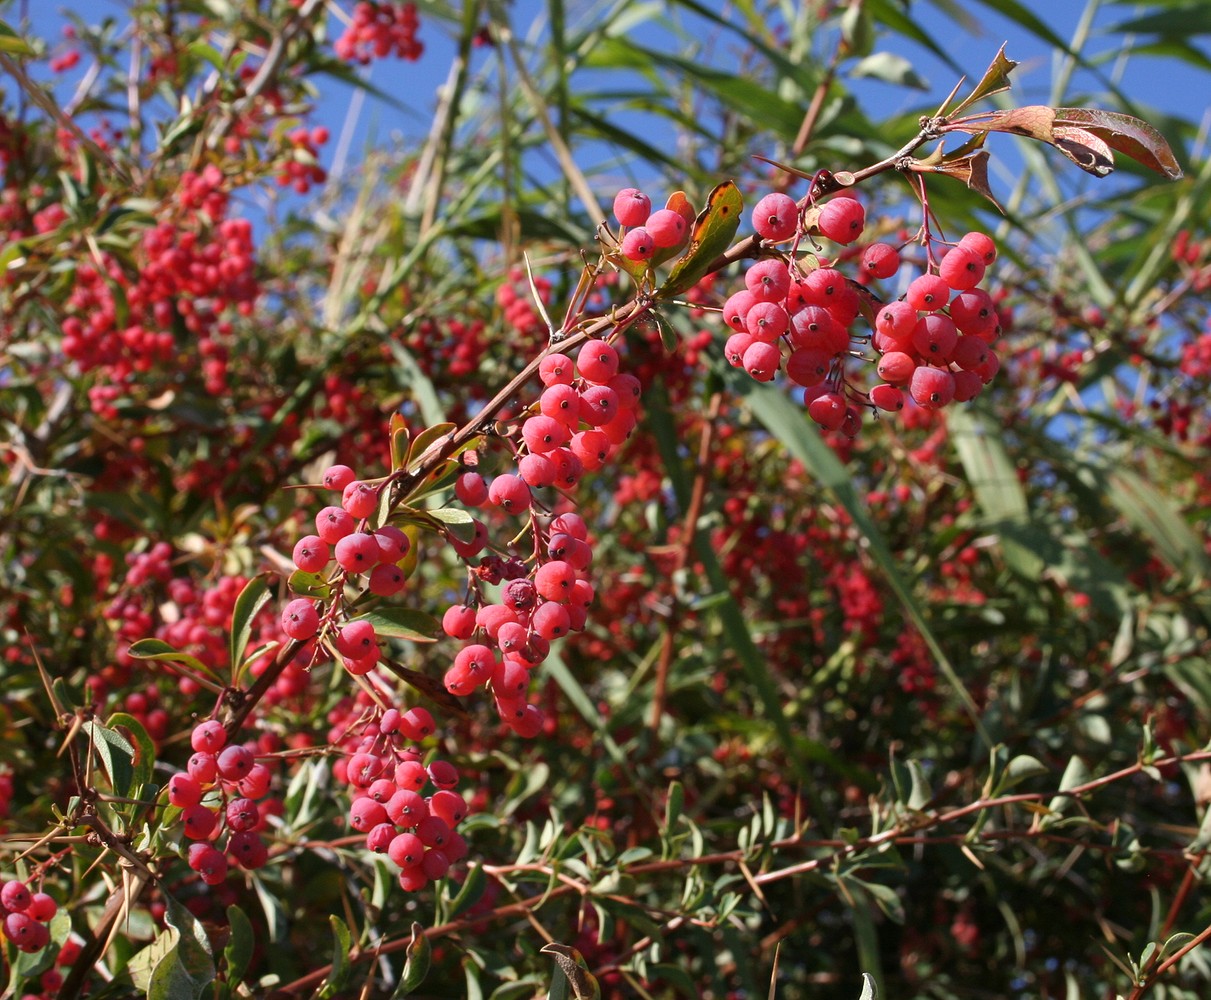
(714,230)
(673,806)
(253,597)
(309,585)
(116,755)
(890,68)
(472,889)
(869,990)
(145,749)
(456,520)
(158,649)
(238,951)
(416,966)
(341,966)
(12,43)
(403,623)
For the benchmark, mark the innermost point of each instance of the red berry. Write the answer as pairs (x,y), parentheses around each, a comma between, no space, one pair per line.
(300,620)
(932,388)
(632,207)
(880,260)
(842,220)
(775,217)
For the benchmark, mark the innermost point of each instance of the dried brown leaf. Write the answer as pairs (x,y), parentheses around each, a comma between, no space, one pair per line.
(1128,135)
(995,80)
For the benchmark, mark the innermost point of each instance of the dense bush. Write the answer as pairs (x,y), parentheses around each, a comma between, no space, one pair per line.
(448,578)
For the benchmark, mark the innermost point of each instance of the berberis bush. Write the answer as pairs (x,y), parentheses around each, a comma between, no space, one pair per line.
(655,526)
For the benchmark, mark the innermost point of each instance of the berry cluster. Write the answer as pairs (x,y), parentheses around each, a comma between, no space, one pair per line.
(386,779)
(218,790)
(647,234)
(378,30)
(25,915)
(933,342)
(302,169)
(586,411)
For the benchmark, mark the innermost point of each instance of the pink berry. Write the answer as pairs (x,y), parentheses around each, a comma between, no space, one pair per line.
(337,477)
(597,361)
(471,489)
(300,620)
(311,554)
(638,245)
(775,217)
(880,260)
(666,228)
(842,220)
(359,499)
(632,207)
(510,493)
(932,388)
(334,523)
(209,736)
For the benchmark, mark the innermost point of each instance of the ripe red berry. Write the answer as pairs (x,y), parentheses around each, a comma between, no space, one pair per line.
(775,217)
(880,260)
(928,293)
(235,762)
(510,493)
(887,397)
(311,554)
(768,280)
(932,388)
(597,361)
(762,360)
(632,207)
(208,736)
(842,220)
(638,245)
(556,369)
(357,552)
(471,489)
(982,245)
(300,620)
(735,309)
(962,268)
(828,410)
(666,228)
(337,477)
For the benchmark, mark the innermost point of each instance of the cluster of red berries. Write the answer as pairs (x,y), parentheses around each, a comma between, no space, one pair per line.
(378,30)
(343,533)
(645,233)
(302,168)
(386,778)
(25,915)
(586,411)
(218,791)
(933,342)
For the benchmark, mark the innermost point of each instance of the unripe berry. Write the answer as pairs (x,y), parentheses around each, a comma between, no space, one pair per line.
(775,217)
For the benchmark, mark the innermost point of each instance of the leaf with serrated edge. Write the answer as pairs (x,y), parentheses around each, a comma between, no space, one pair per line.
(994,81)
(714,230)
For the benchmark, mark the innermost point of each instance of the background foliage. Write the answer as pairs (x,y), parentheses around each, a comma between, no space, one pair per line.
(909,704)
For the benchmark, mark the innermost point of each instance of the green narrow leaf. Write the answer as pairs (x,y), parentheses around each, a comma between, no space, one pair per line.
(403,623)
(12,43)
(253,597)
(714,230)
(416,965)
(341,966)
(116,755)
(238,952)
(145,749)
(472,889)
(158,649)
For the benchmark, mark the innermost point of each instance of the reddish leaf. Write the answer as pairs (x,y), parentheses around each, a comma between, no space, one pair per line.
(971,169)
(995,80)
(1130,136)
(1084,149)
